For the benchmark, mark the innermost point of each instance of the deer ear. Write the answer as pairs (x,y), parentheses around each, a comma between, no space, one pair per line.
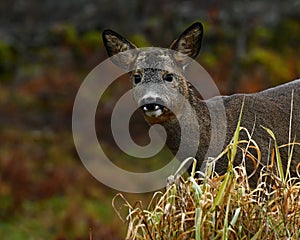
(188,43)
(117,47)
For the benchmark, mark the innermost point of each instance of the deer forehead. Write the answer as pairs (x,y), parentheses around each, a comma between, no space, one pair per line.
(156,59)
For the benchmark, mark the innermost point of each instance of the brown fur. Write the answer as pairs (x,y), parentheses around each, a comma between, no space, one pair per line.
(269,108)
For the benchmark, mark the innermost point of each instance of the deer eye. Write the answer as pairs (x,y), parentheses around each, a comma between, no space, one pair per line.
(168,77)
(137,78)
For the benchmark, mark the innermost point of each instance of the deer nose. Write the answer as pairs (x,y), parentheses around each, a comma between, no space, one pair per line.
(152,107)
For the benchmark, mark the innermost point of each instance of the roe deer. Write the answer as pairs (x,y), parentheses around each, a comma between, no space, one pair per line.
(154,89)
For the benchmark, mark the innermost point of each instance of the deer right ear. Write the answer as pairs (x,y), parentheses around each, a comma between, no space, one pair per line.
(117,45)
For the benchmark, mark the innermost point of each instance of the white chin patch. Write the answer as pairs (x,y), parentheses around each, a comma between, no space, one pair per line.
(155,113)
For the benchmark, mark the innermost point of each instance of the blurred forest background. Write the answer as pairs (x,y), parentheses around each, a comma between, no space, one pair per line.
(46,50)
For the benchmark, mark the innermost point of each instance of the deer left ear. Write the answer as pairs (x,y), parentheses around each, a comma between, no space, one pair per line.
(188,43)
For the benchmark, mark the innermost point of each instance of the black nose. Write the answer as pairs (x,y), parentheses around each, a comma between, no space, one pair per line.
(151,102)
(151,107)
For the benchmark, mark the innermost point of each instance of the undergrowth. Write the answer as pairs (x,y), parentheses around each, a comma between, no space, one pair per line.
(221,207)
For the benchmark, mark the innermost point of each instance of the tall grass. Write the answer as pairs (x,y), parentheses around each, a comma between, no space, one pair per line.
(222,207)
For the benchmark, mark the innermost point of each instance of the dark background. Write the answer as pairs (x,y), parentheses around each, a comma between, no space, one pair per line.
(46,50)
